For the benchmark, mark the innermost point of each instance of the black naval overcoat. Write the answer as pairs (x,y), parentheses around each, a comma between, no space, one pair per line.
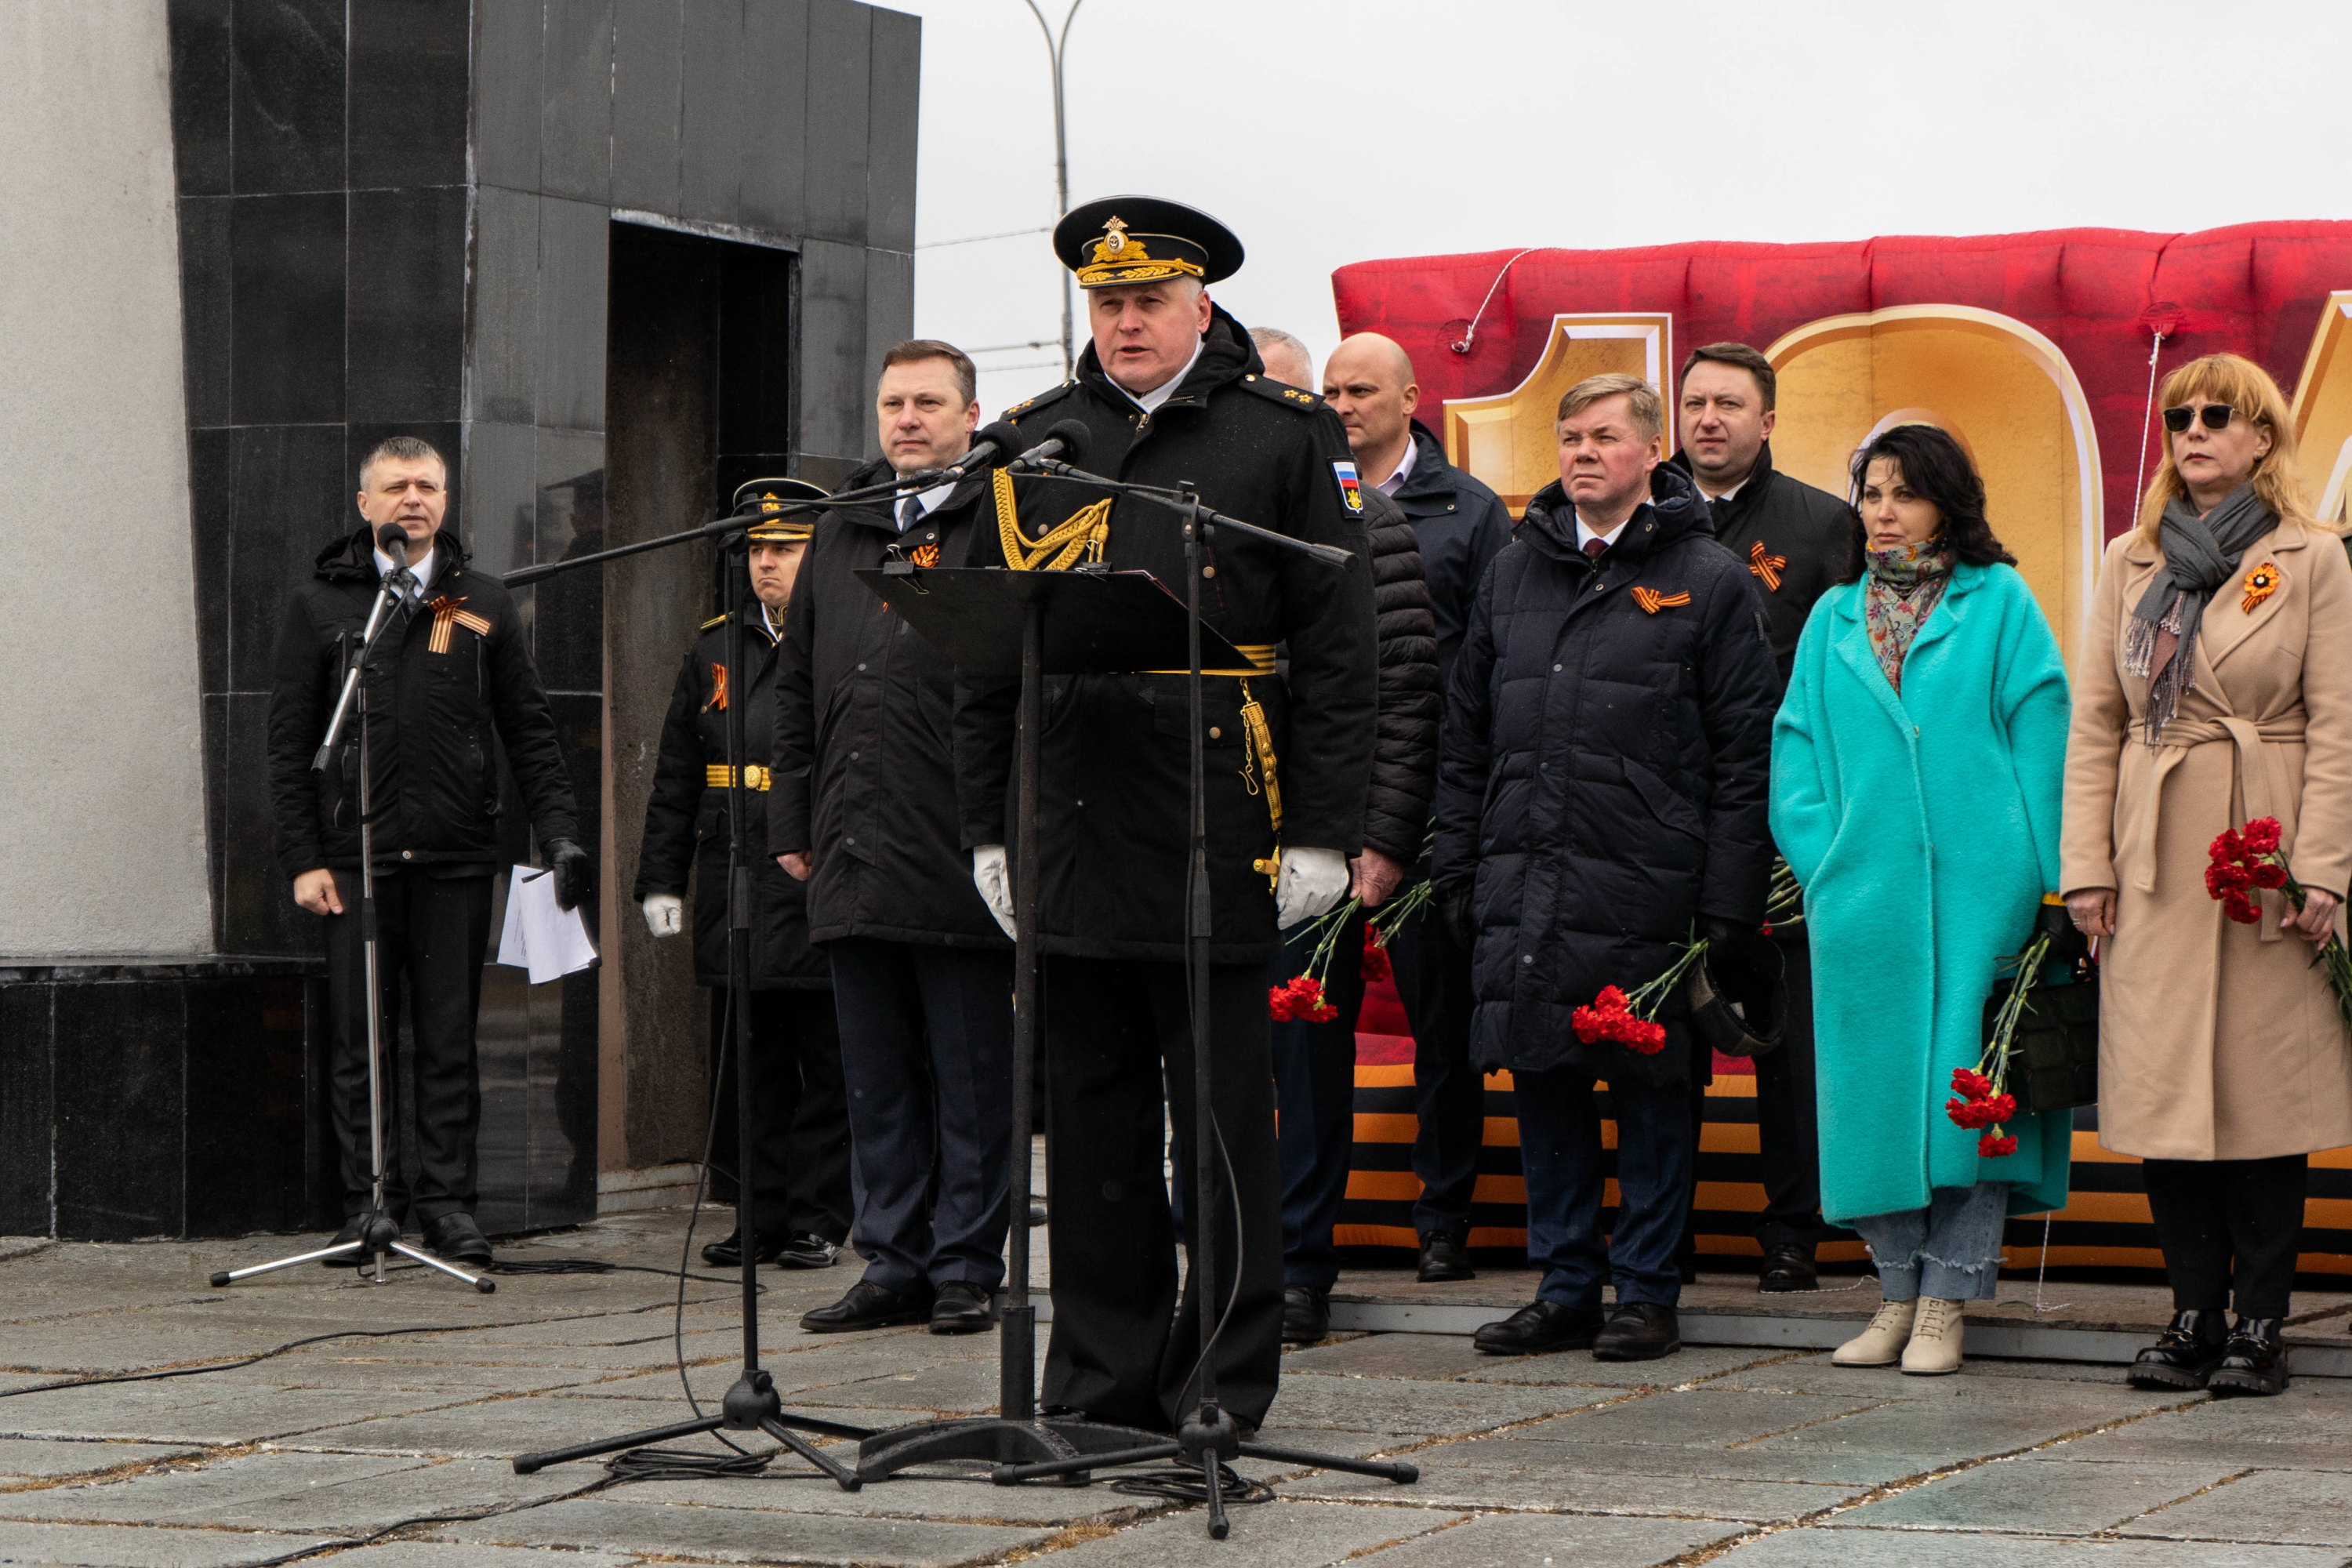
(864,769)
(1113,799)
(686,816)
(445,692)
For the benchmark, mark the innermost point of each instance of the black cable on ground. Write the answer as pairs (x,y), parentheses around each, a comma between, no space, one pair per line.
(1185,1484)
(682,1465)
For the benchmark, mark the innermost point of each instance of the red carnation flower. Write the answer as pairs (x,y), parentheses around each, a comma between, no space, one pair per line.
(2222,880)
(2262,835)
(2000,1108)
(2228,849)
(1992,1146)
(2241,908)
(2267,874)
(1969,1113)
(1973,1084)
(1300,1000)
(1643,1035)
(1376,957)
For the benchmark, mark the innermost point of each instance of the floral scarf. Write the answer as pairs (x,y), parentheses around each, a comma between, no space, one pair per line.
(1899,592)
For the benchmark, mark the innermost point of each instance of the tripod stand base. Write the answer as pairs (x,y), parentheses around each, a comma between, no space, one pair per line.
(1070,1442)
(379,1237)
(750,1405)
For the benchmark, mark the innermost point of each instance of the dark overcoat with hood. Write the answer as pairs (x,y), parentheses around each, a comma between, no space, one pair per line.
(864,776)
(1604,774)
(1113,763)
(686,814)
(445,692)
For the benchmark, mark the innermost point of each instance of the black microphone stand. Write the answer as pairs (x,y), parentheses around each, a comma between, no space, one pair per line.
(379,1235)
(1211,1438)
(751,1403)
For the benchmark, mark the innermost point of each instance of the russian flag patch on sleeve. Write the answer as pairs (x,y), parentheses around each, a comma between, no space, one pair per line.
(1352,489)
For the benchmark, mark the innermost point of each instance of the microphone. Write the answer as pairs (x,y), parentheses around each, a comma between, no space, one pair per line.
(1067,441)
(992,447)
(392,540)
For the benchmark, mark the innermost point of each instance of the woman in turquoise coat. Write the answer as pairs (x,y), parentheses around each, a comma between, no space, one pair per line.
(1916,769)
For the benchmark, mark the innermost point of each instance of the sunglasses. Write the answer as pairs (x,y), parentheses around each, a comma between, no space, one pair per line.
(2215,417)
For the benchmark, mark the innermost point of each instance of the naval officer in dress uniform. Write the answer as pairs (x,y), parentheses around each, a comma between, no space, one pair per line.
(1171,390)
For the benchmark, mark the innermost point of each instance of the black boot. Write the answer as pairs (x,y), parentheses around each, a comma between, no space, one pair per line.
(1638,1331)
(1306,1314)
(2183,1355)
(1443,1257)
(1788,1267)
(2254,1361)
(1539,1328)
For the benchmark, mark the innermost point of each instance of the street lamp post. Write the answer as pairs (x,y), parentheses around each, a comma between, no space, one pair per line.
(1056,47)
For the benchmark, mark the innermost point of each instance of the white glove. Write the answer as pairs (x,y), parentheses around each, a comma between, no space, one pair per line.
(665,914)
(993,878)
(1313,883)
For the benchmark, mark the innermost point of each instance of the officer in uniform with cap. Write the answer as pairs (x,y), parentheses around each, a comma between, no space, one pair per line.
(799,1210)
(1172,391)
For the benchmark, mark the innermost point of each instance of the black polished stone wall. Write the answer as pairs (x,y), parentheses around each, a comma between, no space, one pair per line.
(397,215)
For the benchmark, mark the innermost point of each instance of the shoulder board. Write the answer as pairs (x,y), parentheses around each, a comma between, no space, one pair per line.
(713,621)
(1280,392)
(1050,396)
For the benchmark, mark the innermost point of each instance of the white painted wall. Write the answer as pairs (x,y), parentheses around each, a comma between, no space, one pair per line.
(101,775)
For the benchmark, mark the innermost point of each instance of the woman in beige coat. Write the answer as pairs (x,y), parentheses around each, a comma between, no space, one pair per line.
(2214,686)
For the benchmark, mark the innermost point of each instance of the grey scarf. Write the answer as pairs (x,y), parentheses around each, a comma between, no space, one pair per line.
(2201,555)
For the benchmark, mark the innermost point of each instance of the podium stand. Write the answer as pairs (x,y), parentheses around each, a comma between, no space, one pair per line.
(997,624)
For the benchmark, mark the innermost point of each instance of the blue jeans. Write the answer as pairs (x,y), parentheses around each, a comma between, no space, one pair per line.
(1950,1249)
(1560,1153)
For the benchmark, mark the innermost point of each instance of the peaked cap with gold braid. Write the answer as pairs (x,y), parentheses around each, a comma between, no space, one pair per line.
(791,529)
(1143,240)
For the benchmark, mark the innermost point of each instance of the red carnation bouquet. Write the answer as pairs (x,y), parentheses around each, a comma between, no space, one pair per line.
(1982,1101)
(2245,862)
(1630,1017)
(1300,999)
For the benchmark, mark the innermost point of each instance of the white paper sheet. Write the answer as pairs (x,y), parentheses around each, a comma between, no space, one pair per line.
(547,941)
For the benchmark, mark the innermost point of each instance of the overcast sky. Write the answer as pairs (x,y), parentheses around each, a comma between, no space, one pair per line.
(1325,132)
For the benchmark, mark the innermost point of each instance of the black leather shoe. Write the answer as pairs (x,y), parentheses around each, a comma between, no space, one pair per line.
(1443,1257)
(1638,1331)
(457,1237)
(806,1250)
(867,1306)
(1788,1268)
(728,1251)
(2253,1361)
(1540,1327)
(960,1307)
(1306,1314)
(350,1232)
(2184,1356)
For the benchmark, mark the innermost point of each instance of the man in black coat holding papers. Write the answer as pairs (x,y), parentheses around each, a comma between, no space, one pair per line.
(1171,391)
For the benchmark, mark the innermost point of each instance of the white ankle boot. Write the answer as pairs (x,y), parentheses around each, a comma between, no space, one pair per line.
(1935,1347)
(1881,1344)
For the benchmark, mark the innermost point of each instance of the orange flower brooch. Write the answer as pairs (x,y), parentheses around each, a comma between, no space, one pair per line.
(2261,584)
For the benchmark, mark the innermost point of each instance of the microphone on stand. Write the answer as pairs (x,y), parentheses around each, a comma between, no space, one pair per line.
(1065,442)
(392,540)
(992,447)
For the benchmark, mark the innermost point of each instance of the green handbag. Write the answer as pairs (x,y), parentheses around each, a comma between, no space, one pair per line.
(2054,1059)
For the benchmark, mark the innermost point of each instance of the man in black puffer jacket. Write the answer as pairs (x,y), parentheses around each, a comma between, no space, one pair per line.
(1601,798)
(449,683)
(1315,1063)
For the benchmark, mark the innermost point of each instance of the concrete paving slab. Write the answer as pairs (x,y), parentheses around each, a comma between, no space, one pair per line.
(744,1535)
(2289,1505)
(970,1498)
(500,1428)
(26,1460)
(135,1546)
(1437,1409)
(950,1388)
(1923,1549)
(193,1410)
(437,1554)
(1534,1540)
(1743,1464)
(2036,1497)
(332,1493)
(1502,1473)
(1450,1358)
(1959,1429)
(1269,1535)
(1700,1418)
